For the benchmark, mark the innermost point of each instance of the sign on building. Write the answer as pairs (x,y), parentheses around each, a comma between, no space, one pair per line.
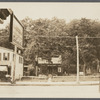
(16,32)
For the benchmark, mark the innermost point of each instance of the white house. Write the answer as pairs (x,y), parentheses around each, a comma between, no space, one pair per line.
(8,60)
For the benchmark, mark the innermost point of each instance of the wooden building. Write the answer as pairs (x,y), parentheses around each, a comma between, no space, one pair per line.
(49,67)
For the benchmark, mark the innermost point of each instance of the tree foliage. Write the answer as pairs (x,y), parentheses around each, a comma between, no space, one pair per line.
(51,37)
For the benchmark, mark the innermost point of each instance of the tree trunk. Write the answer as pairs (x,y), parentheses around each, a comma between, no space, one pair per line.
(84,69)
(98,66)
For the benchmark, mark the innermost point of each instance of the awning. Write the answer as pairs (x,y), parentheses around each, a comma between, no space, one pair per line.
(3,68)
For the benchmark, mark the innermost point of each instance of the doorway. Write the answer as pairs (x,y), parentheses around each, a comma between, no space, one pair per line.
(49,70)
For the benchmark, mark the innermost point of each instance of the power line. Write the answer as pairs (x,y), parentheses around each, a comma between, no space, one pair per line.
(54,36)
(60,36)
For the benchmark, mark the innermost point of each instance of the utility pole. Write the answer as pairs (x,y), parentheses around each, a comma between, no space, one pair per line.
(99,76)
(99,81)
(77,46)
(15,52)
(36,70)
(36,59)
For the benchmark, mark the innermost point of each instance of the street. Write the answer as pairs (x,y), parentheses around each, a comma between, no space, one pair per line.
(50,91)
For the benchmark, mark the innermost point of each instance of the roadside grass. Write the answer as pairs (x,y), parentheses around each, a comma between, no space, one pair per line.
(60,78)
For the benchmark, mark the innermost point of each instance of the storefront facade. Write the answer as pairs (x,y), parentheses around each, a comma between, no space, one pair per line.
(53,67)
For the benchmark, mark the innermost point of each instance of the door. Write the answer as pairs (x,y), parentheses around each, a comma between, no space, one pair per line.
(49,70)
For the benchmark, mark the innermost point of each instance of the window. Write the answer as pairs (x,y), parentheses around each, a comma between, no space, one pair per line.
(0,56)
(38,69)
(13,57)
(6,56)
(25,69)
(22,60)
(59,69)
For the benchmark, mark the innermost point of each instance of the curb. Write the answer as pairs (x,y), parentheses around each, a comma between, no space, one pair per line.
(48,84)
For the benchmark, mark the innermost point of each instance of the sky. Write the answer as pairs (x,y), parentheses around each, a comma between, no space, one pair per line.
(66,10)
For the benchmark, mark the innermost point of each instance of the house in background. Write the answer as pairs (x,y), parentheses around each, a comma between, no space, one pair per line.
(53,67)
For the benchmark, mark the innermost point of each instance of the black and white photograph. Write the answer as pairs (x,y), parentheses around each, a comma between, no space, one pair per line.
(49,50)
